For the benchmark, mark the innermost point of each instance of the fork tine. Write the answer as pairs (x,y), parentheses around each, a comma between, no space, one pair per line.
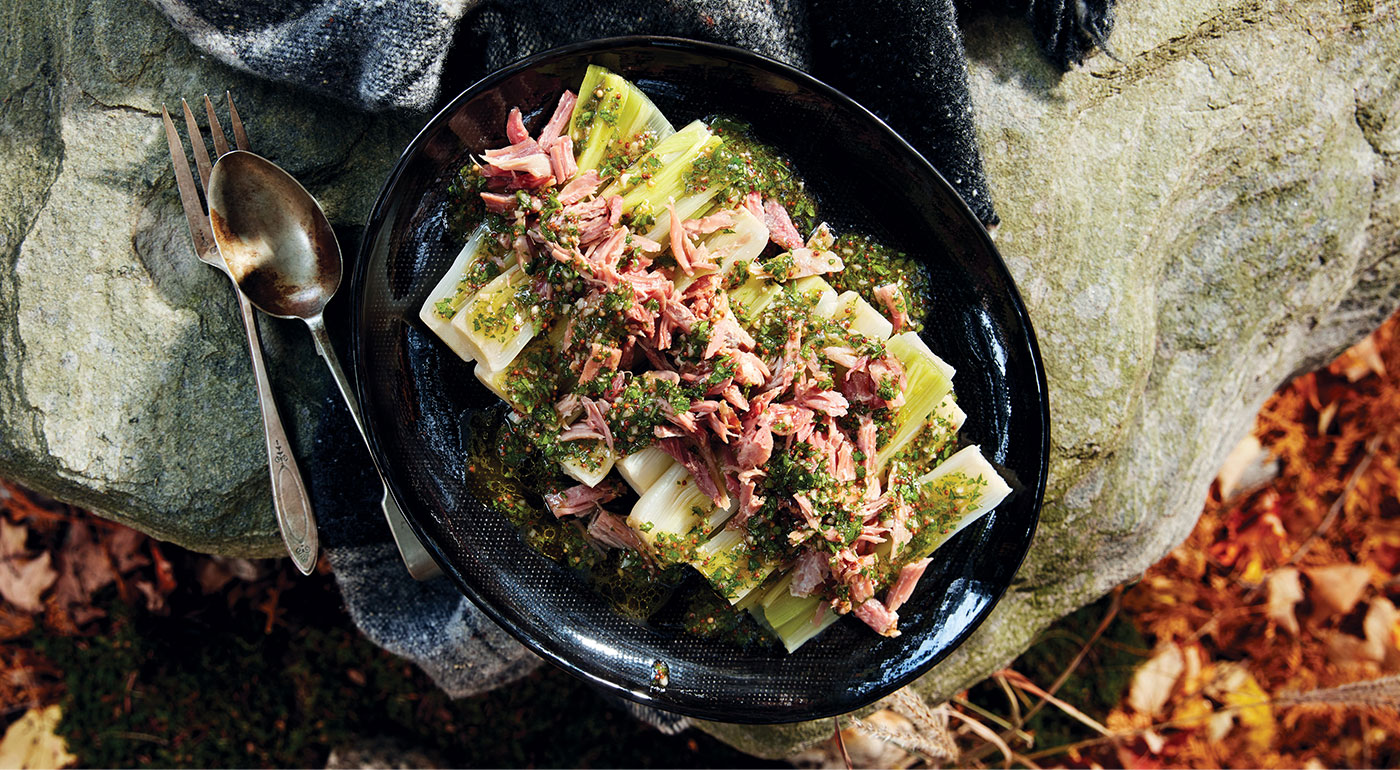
(201,153)
(239,138)
(200,231)
(215,130)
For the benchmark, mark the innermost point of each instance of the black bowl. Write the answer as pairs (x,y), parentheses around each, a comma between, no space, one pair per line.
(419,399)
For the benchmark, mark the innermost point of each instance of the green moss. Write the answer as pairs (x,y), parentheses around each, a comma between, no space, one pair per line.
(206,687)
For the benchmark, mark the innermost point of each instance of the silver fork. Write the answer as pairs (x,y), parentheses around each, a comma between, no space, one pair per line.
(295,518)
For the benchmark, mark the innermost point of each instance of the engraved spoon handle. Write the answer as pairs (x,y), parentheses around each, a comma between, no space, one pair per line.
(419,562)
(295,518)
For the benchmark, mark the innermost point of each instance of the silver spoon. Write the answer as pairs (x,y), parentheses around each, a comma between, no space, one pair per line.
(283,255)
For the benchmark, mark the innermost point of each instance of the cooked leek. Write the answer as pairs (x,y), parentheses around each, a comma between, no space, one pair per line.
(459,284)
(642,468)
(793,619)
(610,113)
(496,381)
(796,634)
(929,380)
(496,323)
(753,297)
(961,490)
(826,305)
(594,466)
(861,317)
(939,432)
(662,168)
(673,515)
(731,565)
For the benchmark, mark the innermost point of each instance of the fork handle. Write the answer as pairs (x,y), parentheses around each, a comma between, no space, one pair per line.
(295,518)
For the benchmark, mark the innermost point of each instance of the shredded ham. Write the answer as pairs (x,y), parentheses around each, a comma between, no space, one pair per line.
(600,358)
(612,530)
(498,203)
(561,159)
(581,187)
(878,617)
(747,402)
(809,572)
(553,130)
(515,127)
(903,586)
(890,296)
(580,499)
(780,227)
(717,221)
(754,203)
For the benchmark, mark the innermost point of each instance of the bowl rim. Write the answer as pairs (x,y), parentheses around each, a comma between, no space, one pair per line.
(376,221)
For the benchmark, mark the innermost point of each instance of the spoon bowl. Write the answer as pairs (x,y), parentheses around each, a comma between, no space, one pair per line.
(273,235)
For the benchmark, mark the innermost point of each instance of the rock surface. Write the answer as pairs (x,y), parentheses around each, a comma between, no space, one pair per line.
(125,384)
(1188,228)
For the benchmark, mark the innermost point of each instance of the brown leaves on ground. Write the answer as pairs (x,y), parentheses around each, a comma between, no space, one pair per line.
(1285,595)
(57,560)
(24,577)
(59,565)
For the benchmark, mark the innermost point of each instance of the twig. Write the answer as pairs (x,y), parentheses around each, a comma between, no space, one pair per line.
(1115,604)
(1009,728)
(1018,680)
(986,733)
(836,722)
(1014,702)
(1335,510)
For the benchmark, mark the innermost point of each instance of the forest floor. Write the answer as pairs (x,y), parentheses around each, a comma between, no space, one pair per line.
(1267,639)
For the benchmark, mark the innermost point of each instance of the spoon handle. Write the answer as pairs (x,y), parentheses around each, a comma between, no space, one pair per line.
(295,518)
(419,562)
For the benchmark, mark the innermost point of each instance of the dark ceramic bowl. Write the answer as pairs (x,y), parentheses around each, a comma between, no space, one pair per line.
(419,399)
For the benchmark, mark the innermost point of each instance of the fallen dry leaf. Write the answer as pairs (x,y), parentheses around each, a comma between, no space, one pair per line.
(1154,740)
(1153,681)
(1248,466)
(1325,417)
(1285,590)
(1362,359)
(12,539)
(23,582)
(22,579)
(1236,688)
(1378,643)
(1219,725)
(1337,588)
(85,557)
(14,624)
(872,741)
(125,547)
(1195,658)
(218,571)
(31,742)
(85,568)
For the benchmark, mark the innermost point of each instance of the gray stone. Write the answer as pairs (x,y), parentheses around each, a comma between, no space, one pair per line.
(1188,227)
(125,384)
